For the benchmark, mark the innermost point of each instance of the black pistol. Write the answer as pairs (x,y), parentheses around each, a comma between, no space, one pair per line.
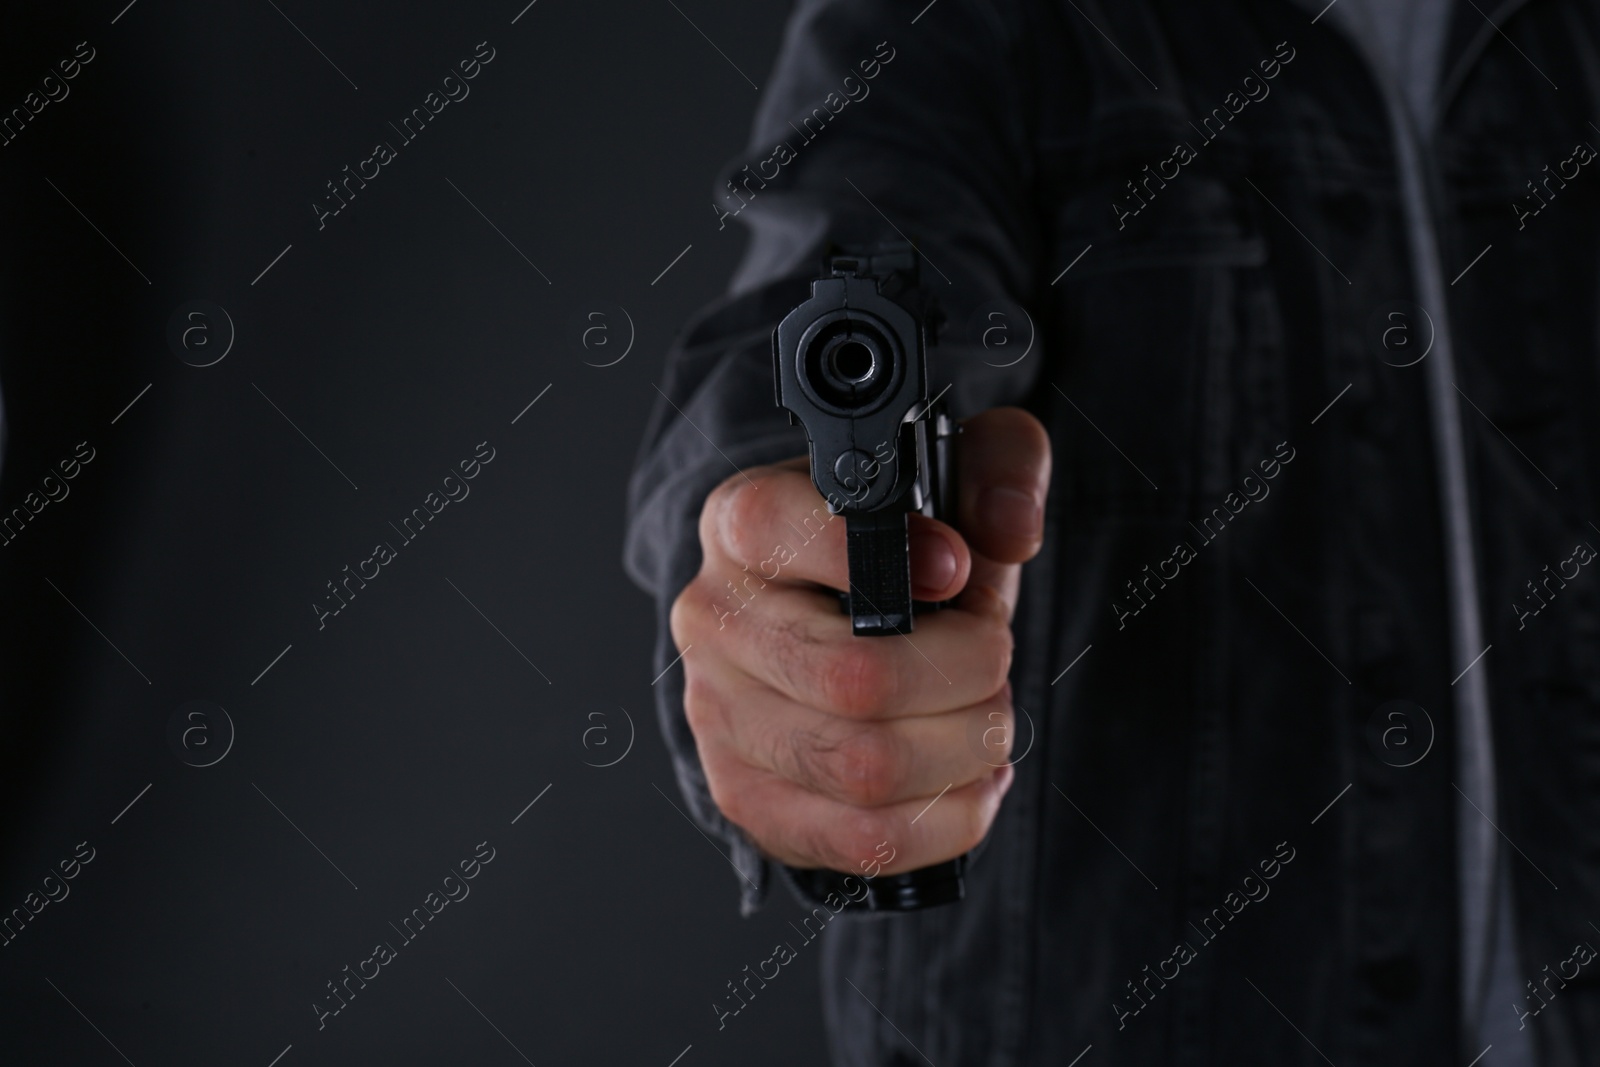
(850,365)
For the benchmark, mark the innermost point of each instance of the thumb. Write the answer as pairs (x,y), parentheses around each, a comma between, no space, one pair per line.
(1002,474)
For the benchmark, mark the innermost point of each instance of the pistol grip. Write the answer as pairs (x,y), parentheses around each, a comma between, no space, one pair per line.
(879,552)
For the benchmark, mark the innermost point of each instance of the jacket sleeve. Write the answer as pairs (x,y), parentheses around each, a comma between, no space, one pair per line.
(873,128)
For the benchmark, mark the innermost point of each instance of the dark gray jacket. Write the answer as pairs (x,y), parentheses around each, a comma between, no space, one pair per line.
(1219,849)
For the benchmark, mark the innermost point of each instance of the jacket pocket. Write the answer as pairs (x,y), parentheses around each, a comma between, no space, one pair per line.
(1167,325)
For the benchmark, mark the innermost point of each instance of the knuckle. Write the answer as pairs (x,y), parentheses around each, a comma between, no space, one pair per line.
(698,612)
(701,705)
(731,788)
(730,800)
(998,644)
(743,519)
(987,603)
(971,824)
(866,768)
(998,737)
(844,843)
(856,679)
(681,618)
(711,514)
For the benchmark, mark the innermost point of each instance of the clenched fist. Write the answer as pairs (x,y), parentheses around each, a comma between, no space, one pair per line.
(821,745)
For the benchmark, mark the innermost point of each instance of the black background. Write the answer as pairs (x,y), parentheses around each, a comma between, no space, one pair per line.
(186,557)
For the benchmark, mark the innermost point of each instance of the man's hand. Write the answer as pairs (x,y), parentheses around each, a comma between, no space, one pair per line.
(821,745)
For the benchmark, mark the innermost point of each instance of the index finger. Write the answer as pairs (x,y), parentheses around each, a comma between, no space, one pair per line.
(773,523)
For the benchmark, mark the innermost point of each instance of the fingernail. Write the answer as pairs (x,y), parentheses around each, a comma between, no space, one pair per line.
(1012,512)
(933,561)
